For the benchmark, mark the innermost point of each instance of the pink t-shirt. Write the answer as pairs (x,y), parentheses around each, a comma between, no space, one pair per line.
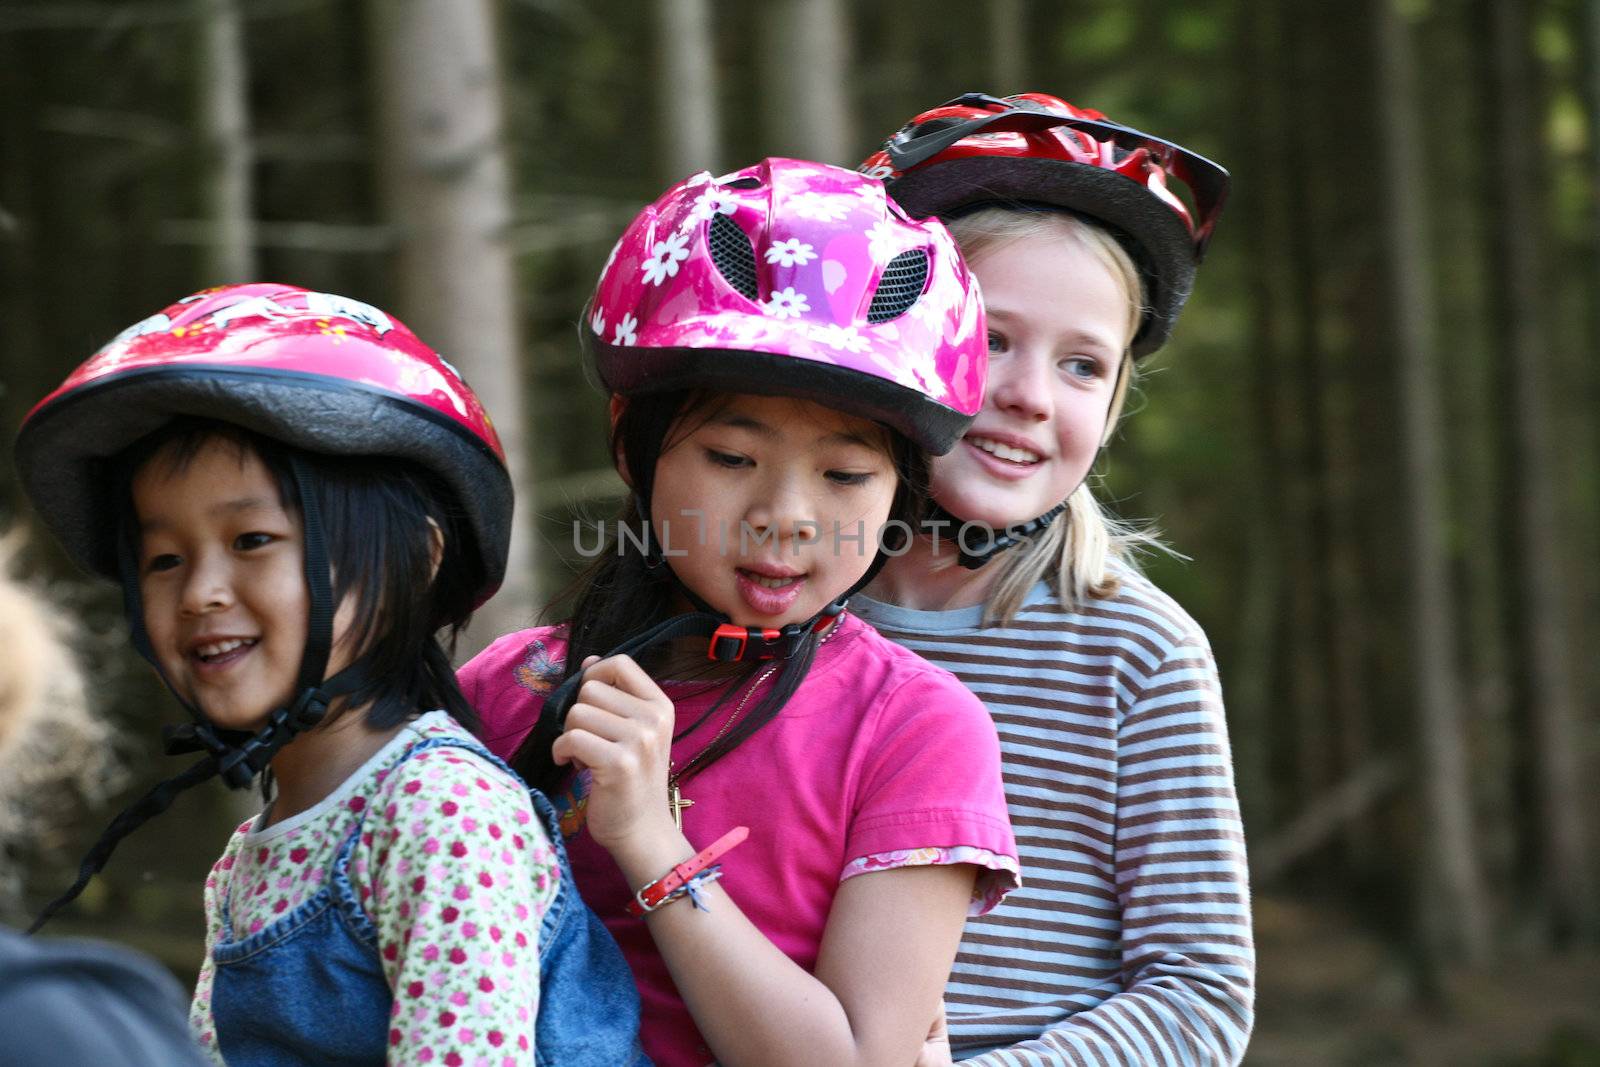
(878,760)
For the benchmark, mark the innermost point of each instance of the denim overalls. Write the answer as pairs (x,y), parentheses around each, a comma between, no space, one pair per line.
(309,989)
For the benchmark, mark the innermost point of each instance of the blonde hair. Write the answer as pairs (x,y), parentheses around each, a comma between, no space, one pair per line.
(1076,553)
(55,754)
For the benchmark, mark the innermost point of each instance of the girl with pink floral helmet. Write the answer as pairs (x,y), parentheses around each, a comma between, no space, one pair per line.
(782,817)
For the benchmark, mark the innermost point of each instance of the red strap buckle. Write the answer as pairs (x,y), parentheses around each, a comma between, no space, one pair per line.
(728,642)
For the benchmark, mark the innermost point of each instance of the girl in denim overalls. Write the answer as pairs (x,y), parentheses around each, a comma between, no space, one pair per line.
(297,495)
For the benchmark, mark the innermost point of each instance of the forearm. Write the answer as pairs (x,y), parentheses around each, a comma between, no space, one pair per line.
(1187,966)
(886,948)
(1182,892)
(757,1008)
(1188,986)
(201,1026)
(1140,1027)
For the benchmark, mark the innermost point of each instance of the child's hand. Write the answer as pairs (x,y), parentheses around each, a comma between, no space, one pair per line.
(620,728)
(936,1050)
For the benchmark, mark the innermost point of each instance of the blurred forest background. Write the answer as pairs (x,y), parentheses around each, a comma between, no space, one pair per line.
(1373,434)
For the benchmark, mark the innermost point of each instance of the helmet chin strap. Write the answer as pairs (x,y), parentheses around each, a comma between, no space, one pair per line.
(236,756)
(1023,532)
(241,755)
(727,641)
(1015,534)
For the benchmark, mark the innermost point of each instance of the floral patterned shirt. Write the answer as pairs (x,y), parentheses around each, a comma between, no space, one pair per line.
(455,872)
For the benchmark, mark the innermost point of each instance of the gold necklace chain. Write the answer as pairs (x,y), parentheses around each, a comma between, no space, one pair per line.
(727,724)
(675,798)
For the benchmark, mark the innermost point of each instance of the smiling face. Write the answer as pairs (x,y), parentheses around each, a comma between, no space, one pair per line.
(764,498)
(1060,319)
(220,574)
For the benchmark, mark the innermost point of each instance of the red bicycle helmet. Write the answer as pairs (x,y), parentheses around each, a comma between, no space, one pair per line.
(317,371)
(1037,148)
(320,372)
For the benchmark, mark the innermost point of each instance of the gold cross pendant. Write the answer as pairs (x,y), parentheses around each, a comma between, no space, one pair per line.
(677,802)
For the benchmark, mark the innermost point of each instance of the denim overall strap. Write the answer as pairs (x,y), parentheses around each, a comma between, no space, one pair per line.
(588,1005)
(308,989)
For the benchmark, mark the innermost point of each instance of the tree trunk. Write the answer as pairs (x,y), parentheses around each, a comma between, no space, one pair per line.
(687,90)
(1253,704)
(230,255)
(805,68)
(1453,885)
(1008,52)
(21,271)
(1556,743)
(1589,37)
(446,185)
(1337,317)
(1298,412)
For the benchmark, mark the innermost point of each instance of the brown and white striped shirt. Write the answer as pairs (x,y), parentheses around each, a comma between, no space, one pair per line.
(1129,941)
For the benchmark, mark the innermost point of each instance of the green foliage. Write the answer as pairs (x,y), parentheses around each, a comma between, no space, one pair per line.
(1106,30)
(1196,32)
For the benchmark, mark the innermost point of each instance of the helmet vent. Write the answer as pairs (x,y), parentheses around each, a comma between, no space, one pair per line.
(902,282)
(733,254)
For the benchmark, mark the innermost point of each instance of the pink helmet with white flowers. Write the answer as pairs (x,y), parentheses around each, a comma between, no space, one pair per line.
(797,279)
(317,371)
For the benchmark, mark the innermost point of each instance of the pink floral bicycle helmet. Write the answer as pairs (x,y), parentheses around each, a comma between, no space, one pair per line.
(318,371)
(798,279)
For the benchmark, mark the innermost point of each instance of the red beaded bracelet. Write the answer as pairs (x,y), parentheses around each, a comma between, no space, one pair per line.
(654,894)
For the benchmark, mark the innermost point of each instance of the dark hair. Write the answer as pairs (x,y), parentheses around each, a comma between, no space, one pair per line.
(624,592)
(376,513)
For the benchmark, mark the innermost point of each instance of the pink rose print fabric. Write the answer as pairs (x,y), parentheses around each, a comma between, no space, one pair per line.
(997,874)
(455,872)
